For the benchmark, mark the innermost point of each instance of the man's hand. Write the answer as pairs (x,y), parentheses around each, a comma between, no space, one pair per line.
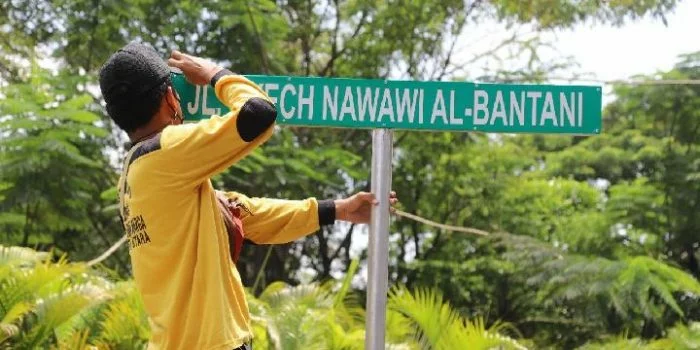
(357,208)
(197,70)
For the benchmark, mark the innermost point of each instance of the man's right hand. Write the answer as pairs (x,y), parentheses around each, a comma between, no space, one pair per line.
(357,208)
(197,70)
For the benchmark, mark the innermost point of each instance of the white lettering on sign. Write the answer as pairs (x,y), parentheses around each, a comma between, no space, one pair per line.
(330,103)
(348,105)
(352,103)
(439,108)
(454,120)
(499,110)
(566,109)
(534,95)
(367,103)
(580,109)
(206,110)
(548,110)
(406,105)
(517,108)
(308,101)
(481,100)
(287,88)
(386,108)
(194,108)
(270,89)
(569,113)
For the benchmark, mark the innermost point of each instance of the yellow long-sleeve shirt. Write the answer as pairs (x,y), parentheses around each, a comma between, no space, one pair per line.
(177,240)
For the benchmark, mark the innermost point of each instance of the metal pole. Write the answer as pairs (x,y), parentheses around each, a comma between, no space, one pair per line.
(378,274)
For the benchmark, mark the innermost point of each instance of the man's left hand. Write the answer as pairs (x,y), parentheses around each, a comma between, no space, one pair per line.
(358,207)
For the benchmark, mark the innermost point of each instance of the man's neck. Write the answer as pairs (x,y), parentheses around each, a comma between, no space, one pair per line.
(145,132)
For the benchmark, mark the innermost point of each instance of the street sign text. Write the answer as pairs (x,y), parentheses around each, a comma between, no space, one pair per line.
(409,105)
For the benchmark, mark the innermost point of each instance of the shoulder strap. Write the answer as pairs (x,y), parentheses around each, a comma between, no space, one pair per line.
(231,215)
(121,185)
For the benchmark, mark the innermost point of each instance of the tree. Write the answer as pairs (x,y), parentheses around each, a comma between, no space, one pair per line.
(51,155)
(649,155)
(614,211)
(358,38)
(597,211)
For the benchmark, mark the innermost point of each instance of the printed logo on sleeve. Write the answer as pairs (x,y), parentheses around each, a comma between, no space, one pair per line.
(136,232)
(135,226)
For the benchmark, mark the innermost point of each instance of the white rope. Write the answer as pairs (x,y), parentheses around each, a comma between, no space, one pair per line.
(439,225)
(652,82)
(404,214)
(618,81)
(108,252)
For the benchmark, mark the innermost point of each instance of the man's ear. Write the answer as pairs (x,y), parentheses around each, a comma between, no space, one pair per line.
(173,99)
(177,96)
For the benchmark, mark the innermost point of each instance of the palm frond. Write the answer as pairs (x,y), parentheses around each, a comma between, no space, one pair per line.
(20,256)
(345,284)
(633,288)
(680,337)
(619,343)
(475,335)
(78,340)
(437,326)
(426,311)
(125,325)
(50,314)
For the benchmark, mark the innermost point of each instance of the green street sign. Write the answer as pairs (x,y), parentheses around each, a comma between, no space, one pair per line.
(415,105)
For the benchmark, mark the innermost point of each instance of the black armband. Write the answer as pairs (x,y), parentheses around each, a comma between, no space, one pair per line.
(256,116)
(220,74)
(326,212)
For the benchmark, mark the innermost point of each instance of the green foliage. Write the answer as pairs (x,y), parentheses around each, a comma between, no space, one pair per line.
(124,324)
(437,326)
(69,306)
(45,303)
(307,317)
(37,303)
(552,205)
(680,337)
(601,227)
(566,12)
(53,166)
(633,288)
(649,156)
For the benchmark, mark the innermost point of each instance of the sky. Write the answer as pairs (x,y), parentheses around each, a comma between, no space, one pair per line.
(601,52)
(644,46)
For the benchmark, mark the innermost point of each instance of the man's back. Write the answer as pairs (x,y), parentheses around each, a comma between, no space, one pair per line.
(177,239)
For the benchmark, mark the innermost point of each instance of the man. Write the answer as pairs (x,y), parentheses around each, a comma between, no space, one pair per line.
(178,240)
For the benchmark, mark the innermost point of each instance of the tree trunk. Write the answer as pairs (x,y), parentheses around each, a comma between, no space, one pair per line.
(27,227)
(692,261)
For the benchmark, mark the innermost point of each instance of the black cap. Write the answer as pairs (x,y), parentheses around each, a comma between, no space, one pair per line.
(131,72)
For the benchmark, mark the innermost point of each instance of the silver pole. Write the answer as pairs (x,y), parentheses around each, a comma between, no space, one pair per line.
(378,274)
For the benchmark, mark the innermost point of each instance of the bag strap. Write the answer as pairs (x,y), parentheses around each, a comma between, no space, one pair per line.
(231,214)
(121,185)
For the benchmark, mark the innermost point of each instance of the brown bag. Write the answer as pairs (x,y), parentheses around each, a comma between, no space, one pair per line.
(231,213)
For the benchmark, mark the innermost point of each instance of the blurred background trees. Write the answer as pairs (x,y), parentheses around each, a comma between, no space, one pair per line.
(595,238)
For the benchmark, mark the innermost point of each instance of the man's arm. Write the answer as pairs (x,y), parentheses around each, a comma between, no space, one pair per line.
(275,221)
(210,146)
